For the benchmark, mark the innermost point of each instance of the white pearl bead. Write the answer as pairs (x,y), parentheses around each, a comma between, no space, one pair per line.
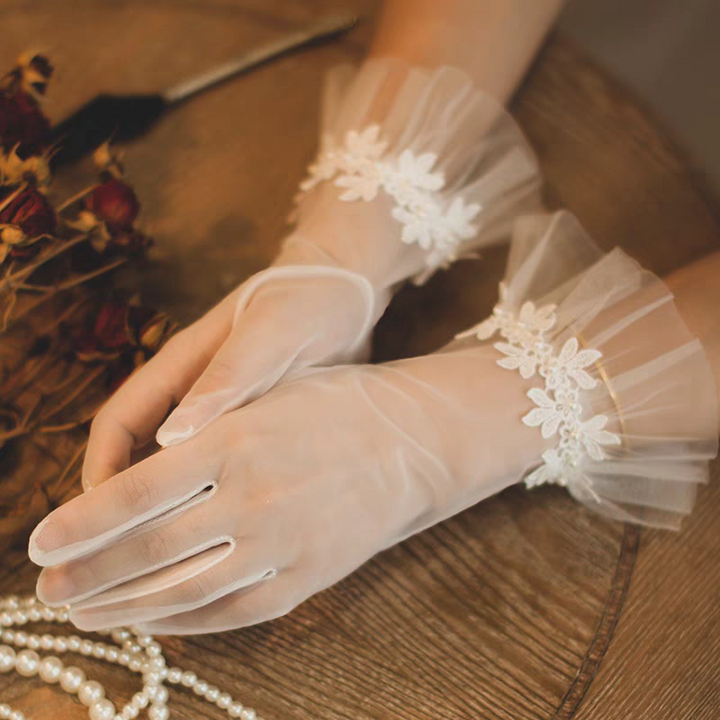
(17,715)
(72,679)
(34,615)
(99,651)
(235,710)
(5,710)
(135,664)
(74,643)
(154,649)
(27,663)
(6,619)
(50,669)
(90,692)
(86,647)
(224,701)
(212,694)
(248,714)
(157,694)
(62,615)
(174,675)
(130,712)
(102,710)
(7,658)
(200,687)
(140,700)
(33,642)
(156,663)
(111,654)
(123,657)
(48,614)
(47,642)
(60,645)
(188,679)
(152,678)
(159,712)
(20,617)
(21,638)
(8,636)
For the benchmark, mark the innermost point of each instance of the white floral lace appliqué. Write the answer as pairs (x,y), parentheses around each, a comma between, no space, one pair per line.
(559,408)
(361,169)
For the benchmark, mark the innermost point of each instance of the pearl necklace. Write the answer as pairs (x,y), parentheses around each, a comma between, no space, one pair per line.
(139,653)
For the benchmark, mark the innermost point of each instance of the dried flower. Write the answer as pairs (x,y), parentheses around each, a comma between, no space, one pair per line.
(31,212)
(11,238)
(23,124)
(115,204)
(126,333)
(15,170)
(33,71)
(108,161)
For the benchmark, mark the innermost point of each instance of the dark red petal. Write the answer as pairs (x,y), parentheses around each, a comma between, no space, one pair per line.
(116,204)
(31,211)
(22,123)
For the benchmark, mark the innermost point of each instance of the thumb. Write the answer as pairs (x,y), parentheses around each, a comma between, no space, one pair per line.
(317,315)
(250,362)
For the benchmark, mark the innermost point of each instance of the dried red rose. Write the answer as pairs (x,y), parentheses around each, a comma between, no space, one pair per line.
(114,203)
(125,332)
(31,212)
(22,124)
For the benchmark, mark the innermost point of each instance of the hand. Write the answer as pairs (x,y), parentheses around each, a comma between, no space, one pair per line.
(286,496)
(278,322)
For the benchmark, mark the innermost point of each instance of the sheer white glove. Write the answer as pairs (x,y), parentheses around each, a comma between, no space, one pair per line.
(590,381)
(430,169)
(284,497)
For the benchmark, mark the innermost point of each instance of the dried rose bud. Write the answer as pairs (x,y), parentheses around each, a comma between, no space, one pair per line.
(112,327)
(22,123)
(30,211)
(108,161)
(15,170)
(35,71)
(115,204)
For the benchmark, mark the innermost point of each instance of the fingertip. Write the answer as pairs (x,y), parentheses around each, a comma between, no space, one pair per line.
(174,433)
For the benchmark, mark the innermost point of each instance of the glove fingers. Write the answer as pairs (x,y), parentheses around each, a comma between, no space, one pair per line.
(136,561)
(251,605)
(167,482)
(130,417)
(226,577)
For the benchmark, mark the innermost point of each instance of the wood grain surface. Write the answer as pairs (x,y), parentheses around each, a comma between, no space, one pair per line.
(525,607)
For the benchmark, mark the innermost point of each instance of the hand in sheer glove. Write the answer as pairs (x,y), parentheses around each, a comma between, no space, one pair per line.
(318,304)
(286,496)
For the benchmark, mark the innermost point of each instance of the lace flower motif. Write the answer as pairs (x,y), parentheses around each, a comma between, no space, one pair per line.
(362,170)
(559,408)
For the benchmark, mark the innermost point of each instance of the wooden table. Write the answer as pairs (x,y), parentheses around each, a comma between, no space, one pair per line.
(525,607)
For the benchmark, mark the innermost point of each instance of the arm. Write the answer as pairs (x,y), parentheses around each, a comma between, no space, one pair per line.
(494,41)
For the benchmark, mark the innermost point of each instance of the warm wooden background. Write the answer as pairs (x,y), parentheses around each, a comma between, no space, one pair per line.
(523,608)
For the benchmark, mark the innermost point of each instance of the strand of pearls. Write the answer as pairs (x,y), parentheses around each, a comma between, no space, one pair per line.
(139,653)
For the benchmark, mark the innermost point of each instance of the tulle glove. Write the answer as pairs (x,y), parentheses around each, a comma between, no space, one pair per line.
(591,381)
(416,168)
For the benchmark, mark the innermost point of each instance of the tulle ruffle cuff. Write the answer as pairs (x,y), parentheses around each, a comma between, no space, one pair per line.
(623,390)
(447,162)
